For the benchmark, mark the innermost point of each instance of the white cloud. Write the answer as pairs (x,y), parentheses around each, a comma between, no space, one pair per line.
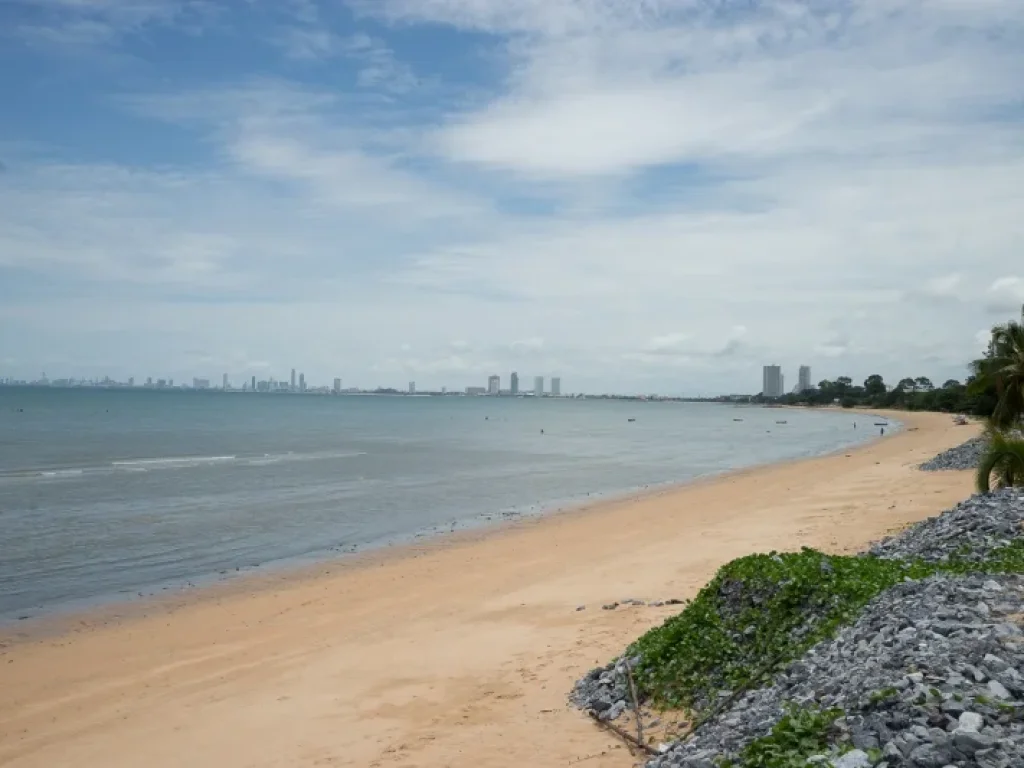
(1006,294)
(78,24)
(663,194)
(946,285)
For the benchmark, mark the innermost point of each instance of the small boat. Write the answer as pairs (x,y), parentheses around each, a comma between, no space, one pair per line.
(737,419)
(881,424)
(630,419)
(781,422)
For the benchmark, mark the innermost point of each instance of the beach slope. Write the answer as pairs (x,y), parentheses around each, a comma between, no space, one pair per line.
(455,653)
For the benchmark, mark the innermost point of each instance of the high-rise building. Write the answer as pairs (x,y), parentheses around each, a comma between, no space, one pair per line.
(224,384)
(803,382)
(773,386)
(302,382)
(538,386)
(412,387)
(170,382)
(293,380)
(513,383)
(253,383)
(556,386)
(149,381)
(337,385)
(200,383)
(493,385)
(131,382)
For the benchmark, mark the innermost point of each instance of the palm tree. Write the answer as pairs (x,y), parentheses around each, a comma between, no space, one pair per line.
(1003,369)
(1004,459)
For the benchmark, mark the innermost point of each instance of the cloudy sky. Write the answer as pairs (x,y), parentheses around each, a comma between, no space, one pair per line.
(638,195)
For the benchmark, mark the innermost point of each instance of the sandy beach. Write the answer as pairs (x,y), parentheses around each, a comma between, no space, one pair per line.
(455,653)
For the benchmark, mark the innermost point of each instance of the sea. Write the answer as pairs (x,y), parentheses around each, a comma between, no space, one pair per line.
(108,495)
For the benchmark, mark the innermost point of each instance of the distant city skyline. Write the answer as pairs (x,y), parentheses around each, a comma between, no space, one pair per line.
(772,384)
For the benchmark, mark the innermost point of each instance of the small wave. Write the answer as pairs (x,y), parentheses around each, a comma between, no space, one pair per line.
(172,462)
(176,461)
(275,458)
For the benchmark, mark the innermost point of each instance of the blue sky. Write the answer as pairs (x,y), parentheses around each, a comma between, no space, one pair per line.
(637,195)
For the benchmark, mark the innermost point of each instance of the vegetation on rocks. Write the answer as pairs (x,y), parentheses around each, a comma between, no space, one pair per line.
(802,731)
(757,614)
(760,612)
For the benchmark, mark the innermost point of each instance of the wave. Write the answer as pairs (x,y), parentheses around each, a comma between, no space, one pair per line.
(173,463)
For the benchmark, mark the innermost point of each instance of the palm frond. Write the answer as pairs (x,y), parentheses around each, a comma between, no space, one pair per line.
(1003,461)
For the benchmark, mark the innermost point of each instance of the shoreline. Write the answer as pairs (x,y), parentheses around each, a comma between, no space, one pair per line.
(44,621)
(398,656)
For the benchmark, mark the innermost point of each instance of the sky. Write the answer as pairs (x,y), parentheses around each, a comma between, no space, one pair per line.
(636,195)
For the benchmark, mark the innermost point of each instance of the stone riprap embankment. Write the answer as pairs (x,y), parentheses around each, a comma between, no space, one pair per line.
(927,677)
(929,674)
(964,456)
(969,531)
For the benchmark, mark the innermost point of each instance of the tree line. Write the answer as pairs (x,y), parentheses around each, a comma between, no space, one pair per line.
(972,396)
(994,390)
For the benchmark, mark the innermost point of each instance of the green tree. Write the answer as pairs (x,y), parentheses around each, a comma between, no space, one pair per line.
(907,385)
(952,384)
(874,386)
(1003,461)
(923,384)
(1002,370)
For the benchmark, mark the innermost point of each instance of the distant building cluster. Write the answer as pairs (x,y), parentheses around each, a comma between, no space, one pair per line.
(493,387)
(296,383)
(774,384)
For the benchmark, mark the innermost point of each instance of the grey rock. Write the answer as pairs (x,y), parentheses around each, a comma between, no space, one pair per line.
(855,758)
(970,742)
(929,756)
(616,710)
(991,758)
(971,721)
(998,690)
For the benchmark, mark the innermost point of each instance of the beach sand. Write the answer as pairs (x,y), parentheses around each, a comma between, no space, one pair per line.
(454,653)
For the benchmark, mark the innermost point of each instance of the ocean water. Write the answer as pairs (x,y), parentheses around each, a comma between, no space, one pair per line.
(108,494)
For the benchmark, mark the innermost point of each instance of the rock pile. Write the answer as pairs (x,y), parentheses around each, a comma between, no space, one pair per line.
(964,456)
(969,531)
(930,675)
(605,690)
(926,677)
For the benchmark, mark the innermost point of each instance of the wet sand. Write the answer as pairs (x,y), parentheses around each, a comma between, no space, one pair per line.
(459,652)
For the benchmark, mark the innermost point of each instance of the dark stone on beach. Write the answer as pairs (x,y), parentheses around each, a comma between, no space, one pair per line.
(964,456)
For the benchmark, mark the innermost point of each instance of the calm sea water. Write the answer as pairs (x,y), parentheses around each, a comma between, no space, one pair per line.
(108,494)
